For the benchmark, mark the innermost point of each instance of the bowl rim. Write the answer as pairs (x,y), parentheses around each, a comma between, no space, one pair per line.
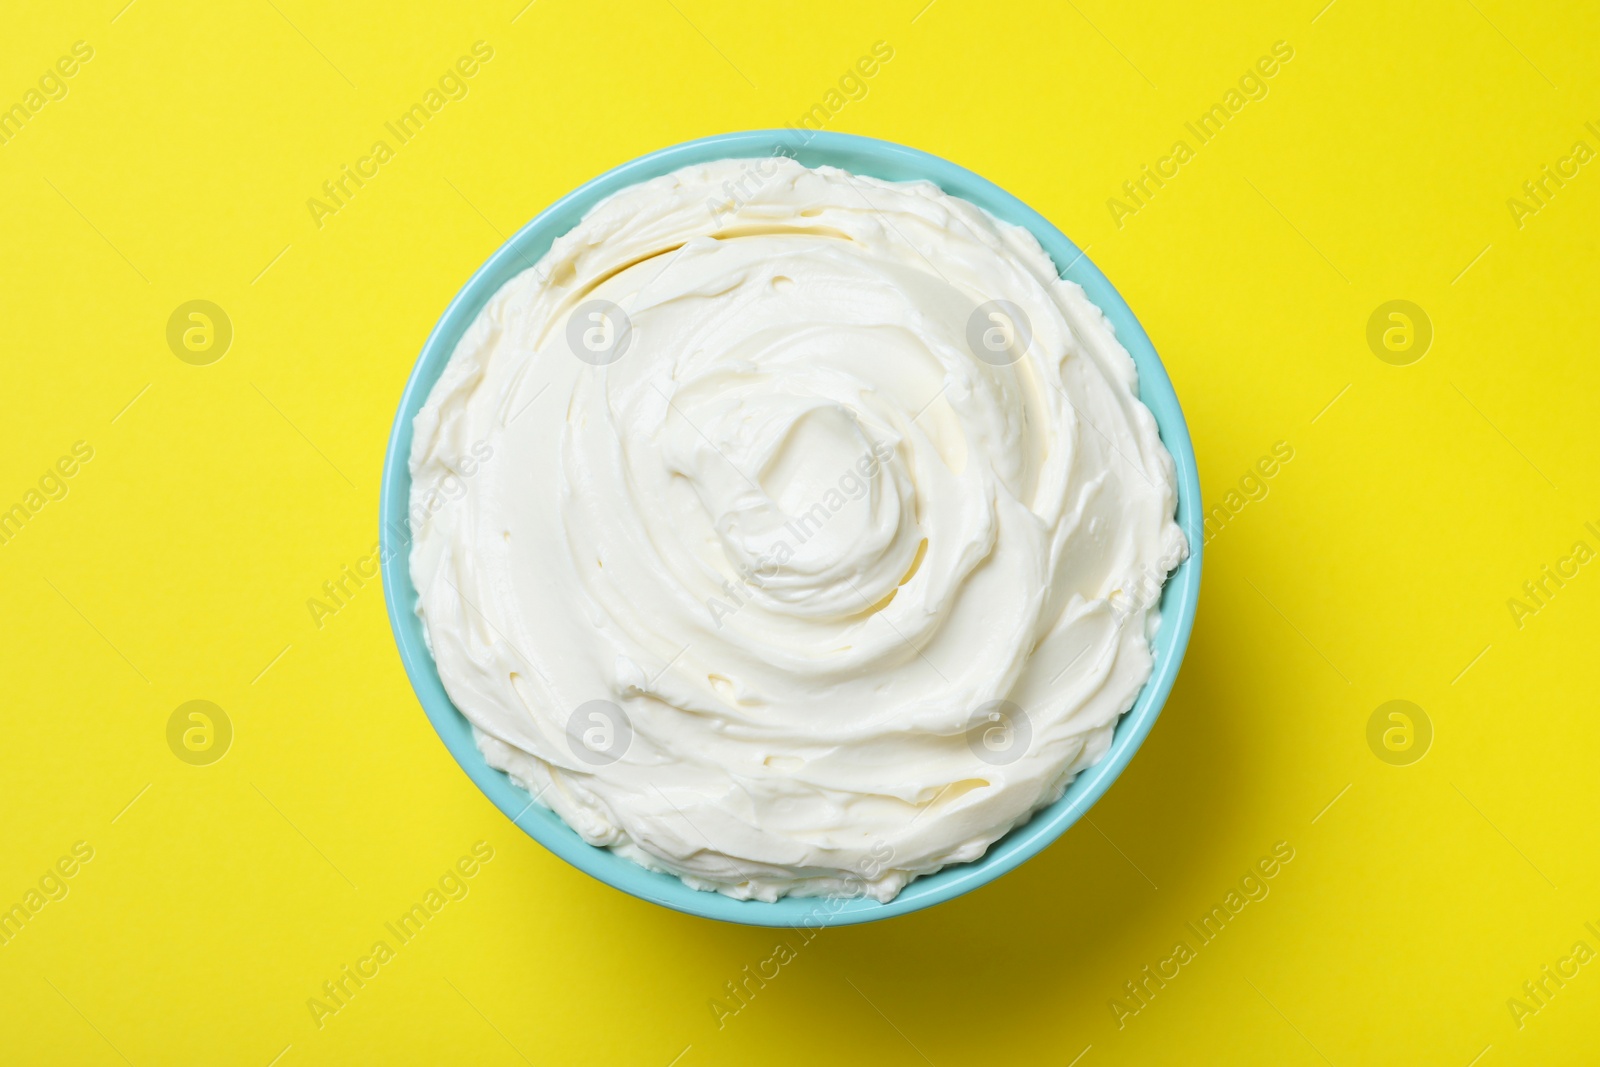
(860,155)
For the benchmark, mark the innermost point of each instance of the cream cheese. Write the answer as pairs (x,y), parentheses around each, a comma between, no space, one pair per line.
(824,536)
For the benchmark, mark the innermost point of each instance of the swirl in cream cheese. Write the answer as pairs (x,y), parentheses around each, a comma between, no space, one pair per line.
(823,538)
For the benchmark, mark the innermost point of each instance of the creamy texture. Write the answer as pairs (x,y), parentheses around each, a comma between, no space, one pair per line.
(812,570)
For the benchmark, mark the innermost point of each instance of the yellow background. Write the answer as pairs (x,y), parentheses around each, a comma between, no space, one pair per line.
(1378,567)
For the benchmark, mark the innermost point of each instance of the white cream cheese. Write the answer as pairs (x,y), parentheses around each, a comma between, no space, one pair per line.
(823,537)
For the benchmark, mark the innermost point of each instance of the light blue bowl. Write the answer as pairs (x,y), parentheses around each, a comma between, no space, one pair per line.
(860,155)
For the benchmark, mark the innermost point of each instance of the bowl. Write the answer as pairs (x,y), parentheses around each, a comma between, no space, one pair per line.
(860,155)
